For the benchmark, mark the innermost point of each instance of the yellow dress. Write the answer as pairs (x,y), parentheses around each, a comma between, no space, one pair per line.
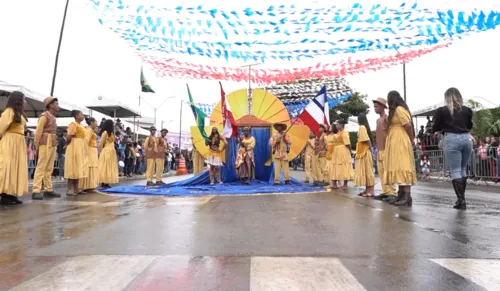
(75,162)
(341,158)
(399,163)
(330,145)
(13,155)
(108,163)
(363,172)
(92,179)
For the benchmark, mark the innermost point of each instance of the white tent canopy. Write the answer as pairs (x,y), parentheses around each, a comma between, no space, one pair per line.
(430,110)
(112,108)
(34,100)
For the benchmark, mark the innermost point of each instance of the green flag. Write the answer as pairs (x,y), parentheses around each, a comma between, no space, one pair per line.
(199,116)
(145,85)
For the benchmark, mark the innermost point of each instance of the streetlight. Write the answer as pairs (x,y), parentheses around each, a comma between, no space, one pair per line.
(155,108)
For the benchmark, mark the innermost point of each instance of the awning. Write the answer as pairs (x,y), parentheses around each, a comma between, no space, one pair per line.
(34,100)
(112,108)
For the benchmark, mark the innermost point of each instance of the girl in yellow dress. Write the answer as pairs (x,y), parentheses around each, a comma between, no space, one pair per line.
(330,146)
(363,173)
(90,183)
(245,163)
(341,158)
(13,154)
(399,161)
(108,163)
(216,146)
(75,163)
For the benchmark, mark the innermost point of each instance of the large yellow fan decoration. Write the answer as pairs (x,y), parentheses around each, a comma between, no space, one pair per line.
(266,110)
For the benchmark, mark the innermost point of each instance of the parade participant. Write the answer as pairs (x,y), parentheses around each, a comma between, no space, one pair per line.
(214,157)
(399,157)
(330,152)
(90,183)
(245,163)
(388,191)
(161,150)
(198,160)
(108,163)
(454,120)
(363,172)
(46,144)
(280,145)
(75,163)
(150,147)
(320,157)
(308,157)
(13,153)
(341,159)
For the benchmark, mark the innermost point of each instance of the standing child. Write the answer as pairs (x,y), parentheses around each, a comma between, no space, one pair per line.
(425,166)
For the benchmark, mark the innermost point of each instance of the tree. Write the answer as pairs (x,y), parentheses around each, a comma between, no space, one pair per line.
(351,107)
(486,121)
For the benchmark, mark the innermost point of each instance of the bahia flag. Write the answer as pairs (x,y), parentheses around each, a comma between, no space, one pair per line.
(314,113)
(230,128)
(199,116)
(144,84)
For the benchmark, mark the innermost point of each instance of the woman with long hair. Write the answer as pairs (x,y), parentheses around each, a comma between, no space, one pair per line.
(400,163)
(108,163)
(363,171)
(341,157)
(90,183)
(454,120)
(13,153)
(75,162)
(245,164)
(216,147)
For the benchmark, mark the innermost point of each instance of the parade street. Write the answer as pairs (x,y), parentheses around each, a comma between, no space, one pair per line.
(317,241)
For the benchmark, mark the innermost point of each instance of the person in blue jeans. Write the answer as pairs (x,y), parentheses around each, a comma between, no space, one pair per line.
(454,120)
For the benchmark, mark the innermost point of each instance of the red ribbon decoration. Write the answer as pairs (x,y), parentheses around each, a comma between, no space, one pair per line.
(167,67)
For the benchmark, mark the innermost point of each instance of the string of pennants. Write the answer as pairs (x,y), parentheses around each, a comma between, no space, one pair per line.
(290,39)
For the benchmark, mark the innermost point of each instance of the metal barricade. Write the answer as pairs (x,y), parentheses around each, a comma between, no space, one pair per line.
(32,158)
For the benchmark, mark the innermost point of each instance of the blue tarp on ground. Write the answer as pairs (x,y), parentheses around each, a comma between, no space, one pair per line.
(199,184)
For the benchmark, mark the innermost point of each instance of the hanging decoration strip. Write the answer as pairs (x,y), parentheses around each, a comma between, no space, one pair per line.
(290,39)
(173,68)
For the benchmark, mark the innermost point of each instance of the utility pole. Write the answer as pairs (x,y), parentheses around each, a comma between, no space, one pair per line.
(54,75)
(249,91)
(404,81)
(180,128)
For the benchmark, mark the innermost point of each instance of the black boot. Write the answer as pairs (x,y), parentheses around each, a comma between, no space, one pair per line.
(36,196)
(405,200)
(459,187)
(51,194)
(398,198)
(10,200)
(464,180)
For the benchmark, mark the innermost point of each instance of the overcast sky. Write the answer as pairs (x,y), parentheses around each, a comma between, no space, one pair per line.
(96,62)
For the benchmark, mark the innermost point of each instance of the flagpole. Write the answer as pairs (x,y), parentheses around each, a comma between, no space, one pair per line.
(249,92)
(54,75)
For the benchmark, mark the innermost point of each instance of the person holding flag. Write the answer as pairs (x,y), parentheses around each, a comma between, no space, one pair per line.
(280,145)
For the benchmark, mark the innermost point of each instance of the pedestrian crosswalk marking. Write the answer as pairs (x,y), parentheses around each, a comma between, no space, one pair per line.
(301,274)
(485,273)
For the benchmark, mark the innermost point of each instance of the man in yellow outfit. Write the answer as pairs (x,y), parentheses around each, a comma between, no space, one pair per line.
(320,158)
(388,191)
(280,145)
(46,144)
(150,149)
(308,157)
(161,150)
(198,161)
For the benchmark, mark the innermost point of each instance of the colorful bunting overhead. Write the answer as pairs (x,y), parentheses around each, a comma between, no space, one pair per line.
(291,39)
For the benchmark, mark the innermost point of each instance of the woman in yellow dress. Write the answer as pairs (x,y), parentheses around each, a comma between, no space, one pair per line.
(90,183)
(341,157)
(245,164)
(13,154)
(363,172)
(330,147)
(399,160)
(76,157)
(108,163)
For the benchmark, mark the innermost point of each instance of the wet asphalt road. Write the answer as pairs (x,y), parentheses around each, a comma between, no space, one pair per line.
(318,241)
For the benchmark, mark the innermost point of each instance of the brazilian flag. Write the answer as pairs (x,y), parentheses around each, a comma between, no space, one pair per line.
(199,116)
(145,85)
